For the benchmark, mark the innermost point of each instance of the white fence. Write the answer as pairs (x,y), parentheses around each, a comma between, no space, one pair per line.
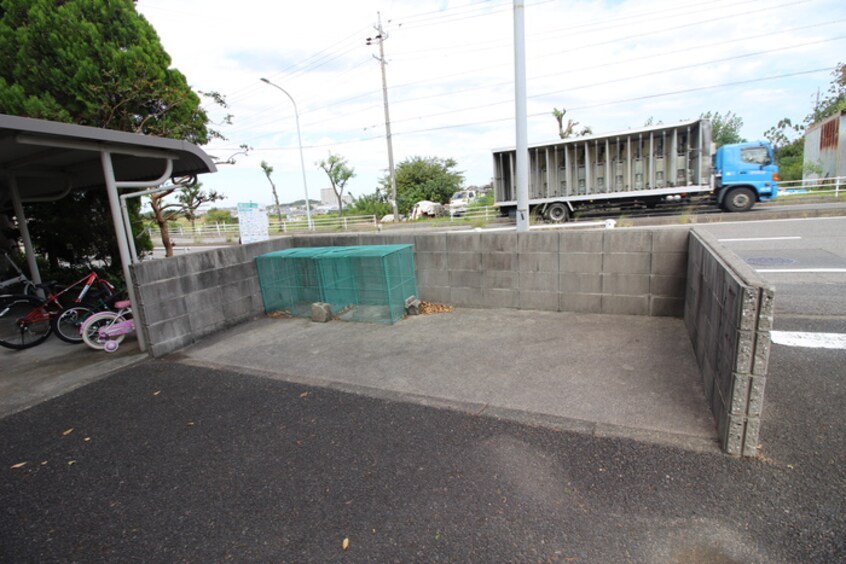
(834,185)
(229,232)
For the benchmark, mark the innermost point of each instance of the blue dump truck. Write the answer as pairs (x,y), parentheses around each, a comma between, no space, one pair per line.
(653,167)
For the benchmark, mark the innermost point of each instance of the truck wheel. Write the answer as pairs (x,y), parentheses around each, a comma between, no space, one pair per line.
(739,200)
(557,213)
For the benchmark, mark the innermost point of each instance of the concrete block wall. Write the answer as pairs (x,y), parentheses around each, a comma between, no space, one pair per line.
(182,299)
(636,272)
(633,272)
(729,315)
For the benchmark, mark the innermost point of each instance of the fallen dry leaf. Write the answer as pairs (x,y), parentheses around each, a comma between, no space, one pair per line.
(87,439)
(304,394)
(346,544)
(68,432)
(428,308)
(279,314)
(71,462)
(19,465)
(157,392)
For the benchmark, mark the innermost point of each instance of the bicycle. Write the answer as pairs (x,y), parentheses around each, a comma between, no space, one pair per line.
(106,330)
(29,288)
(27,321)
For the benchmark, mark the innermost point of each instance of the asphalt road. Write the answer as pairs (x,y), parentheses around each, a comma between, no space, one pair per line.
(166,462)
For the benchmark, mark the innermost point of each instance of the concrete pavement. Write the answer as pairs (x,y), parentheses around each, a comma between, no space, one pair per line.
(599,374)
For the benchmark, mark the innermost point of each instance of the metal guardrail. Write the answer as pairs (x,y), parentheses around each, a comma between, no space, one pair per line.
(834,185)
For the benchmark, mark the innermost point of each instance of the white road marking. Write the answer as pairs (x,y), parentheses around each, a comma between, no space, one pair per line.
(803,270)
(809,340)
(759,239)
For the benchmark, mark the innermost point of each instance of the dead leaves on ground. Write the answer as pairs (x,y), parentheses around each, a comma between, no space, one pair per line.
(428,308)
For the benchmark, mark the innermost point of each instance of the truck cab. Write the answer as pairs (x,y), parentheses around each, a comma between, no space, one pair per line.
(744,173)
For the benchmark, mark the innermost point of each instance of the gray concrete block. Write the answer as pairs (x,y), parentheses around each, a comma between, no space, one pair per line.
(734,436)
(538,262)
(240,309)
(671,264)
(496,297)
(625,284)
(160,349)
(750,439)
(430,243)
(666,307)
(500,280)
(203,298)
(749,315)
(433,277)
(580,263)
(586,242)
(537,242)
(205,321)
(465,279)
(761,360)
(466,297)
(737,396)
(580,303)
(430,261)
(668,286)
(543,301)
(755,406)
(199,281)
(464,261)
(538,282)
(236,272)
(160,310)
(627,263)
(500,261)
(745,343)
(499,242)
(766,308)
(171,328)
(628,241)
(625,305)
(674,240)
(166,289)
(580,283)
(464,242)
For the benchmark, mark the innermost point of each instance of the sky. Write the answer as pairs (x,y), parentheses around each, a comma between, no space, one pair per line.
(612,64)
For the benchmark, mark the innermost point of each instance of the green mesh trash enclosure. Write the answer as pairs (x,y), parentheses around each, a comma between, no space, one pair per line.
(368,283)
(289,281)
(364,283)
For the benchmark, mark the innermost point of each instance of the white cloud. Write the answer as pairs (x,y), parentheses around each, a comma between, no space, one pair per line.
(612,64)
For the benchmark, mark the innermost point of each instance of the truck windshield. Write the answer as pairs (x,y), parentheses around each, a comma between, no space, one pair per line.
(755,155)
(459,195)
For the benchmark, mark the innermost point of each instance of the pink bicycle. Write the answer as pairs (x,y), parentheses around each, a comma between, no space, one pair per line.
(104,331)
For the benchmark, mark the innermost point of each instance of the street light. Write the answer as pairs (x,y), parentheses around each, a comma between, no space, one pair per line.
(300,141)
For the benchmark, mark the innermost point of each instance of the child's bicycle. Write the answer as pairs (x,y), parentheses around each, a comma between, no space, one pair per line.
(27,321)
(104,331)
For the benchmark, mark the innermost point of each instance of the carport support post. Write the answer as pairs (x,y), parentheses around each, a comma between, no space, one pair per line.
(122,238)
(17,203)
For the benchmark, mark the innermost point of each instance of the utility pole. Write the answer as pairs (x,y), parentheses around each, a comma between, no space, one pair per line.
(522,151)
(380,38)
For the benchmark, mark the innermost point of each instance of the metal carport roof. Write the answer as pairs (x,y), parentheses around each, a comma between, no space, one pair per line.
(45,160)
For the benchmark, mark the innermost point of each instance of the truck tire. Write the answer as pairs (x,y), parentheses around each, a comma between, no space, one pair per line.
(739,200)
(557,213)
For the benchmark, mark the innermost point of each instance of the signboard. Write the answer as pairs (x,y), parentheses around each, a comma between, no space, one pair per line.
(252,222)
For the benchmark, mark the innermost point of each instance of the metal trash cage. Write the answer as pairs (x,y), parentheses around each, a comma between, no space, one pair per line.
(289,281)
(362,283)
